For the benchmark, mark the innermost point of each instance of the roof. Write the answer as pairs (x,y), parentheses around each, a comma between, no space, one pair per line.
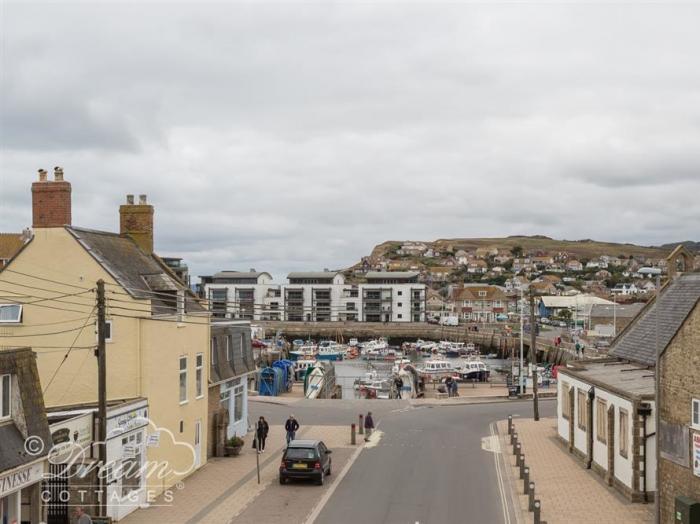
(471,292)
(10,243)
(138,273)
(622,378)
(241,274)
(313,274)
(377,275)
(619,310)
(675,302)
(303,443)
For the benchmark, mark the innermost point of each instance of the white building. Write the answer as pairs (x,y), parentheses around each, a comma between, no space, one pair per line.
(387,296)
(625,289)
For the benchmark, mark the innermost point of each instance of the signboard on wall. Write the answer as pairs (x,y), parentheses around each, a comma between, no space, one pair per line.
(674,443)
(71,436)
(696,454)
(126,421)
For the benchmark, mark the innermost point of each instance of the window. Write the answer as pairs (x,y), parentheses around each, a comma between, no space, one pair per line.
(229,357)
(399,293)
(199,364)
(695,418)
(131,463)
(482,293)
(183,380)
(350,306)
(400,304)
(400,315)
(566,404)
(601,420)
(624,432)
(10,313)
(214,349)
(5,399)
(582,415)
(238,402)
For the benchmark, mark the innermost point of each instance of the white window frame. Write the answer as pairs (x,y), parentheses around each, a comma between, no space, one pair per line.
(19,317)
(482,293)
(695,413)
(213,349)
(199,375)
(6,411)
(182,372)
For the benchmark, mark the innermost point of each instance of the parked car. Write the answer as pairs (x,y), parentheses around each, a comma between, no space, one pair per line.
(305,459)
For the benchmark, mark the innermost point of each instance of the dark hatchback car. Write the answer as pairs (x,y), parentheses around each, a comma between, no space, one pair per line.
(305,459)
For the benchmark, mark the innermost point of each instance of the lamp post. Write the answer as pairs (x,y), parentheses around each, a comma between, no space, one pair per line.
(522,334)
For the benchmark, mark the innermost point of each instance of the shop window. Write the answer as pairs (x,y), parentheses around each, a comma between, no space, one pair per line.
(131,463)
(601,420)
(5,401)
(624,432)
(238,402)
(198,374)
(183,380)
(10,313)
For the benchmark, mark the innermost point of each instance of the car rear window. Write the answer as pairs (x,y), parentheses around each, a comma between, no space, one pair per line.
(301,453)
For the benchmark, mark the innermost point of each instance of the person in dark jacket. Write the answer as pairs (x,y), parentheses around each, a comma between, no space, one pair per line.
(261,431)
(369,426)
(291,426)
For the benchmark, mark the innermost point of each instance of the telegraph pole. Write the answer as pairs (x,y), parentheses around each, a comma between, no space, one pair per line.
(101,393)
(533,355)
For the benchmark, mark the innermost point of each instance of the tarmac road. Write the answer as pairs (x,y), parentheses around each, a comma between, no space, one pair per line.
(428,467)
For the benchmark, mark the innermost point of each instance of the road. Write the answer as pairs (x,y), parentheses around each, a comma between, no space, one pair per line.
(427,467)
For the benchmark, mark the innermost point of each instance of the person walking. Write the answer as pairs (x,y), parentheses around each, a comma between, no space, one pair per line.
(291,426)
(454,388)
(261,431)
(83,518)
(399,386)
(448,386)
(369,425)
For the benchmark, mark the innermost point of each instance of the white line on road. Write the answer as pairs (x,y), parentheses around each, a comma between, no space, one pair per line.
(501,488)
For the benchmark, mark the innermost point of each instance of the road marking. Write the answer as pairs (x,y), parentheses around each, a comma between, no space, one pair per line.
(374,439)
(501,487)
(491,443)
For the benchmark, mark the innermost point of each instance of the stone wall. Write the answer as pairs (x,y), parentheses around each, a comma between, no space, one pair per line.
(680,369)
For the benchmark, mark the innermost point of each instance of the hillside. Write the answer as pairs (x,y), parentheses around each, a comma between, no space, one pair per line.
(587,248)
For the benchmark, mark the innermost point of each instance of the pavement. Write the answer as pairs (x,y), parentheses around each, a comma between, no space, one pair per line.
(569,493)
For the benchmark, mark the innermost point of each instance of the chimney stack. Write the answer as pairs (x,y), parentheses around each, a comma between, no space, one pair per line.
(136,221)
(51,200)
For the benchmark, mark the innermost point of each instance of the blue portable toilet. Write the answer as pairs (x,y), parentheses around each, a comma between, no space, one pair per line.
(270,382)
(288,368)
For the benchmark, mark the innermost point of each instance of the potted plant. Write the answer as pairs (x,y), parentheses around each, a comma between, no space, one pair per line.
(233,446)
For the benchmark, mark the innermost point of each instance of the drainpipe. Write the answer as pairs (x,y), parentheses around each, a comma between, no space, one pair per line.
(589,434)
(645,410)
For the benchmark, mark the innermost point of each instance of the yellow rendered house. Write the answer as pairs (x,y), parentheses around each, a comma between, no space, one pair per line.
(157,338)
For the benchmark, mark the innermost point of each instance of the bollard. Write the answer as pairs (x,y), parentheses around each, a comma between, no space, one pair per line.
(515,445)
(513,436)
(536,508)
(362,426)
(522,466)
(510,425)
(526,480)
(353,440)
(531,497)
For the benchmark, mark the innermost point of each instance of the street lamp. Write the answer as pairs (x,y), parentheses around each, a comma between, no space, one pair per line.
(522,334)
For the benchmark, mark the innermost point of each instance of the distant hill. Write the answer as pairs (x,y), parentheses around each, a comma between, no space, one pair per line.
(586,248)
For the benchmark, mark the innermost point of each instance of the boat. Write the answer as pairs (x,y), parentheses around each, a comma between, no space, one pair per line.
(473,369)
(314,381)
(375,345)
(300,367)
(399,364)
(409,376)
(451,349)
(353,342)
(437,368)
(297,342)
(307,351)
(329,350)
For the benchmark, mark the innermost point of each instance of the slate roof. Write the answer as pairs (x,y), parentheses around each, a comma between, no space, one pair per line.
(620,311)
(377,275)
(628,380)
(313,274)
(242,360)
(138,273)
(676,300)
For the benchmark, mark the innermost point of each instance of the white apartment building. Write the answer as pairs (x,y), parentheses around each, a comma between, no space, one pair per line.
(317,296)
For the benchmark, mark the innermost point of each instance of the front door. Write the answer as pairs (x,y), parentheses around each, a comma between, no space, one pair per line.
(197,443)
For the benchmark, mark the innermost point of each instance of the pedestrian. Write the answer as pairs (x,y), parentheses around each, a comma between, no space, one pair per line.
(454,388)
(291,426)
(399,386)
(582,350)
(83,518)
(261,431)
(369,425)
(448,386)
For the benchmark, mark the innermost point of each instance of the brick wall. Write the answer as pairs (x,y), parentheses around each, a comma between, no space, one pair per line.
(51,204)
(136,221)
(680,369)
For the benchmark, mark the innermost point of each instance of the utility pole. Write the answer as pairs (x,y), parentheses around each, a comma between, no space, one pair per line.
(101,394)
(533,355)
(521,377)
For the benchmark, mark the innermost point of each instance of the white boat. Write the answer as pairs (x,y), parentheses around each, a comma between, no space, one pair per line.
(300,367)
(409,377)
(437,368)
(353,342)
(305,352)
(315,382)
(329,350)
(399,364)
(375,345)
(473,369)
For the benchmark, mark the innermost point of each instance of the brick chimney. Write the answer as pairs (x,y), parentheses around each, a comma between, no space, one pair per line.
(51,200)
(136,221)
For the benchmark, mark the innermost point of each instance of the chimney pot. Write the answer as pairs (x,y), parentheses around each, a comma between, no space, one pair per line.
(130,199)
(136,222)
(42,175)
(142,200)
(58,174)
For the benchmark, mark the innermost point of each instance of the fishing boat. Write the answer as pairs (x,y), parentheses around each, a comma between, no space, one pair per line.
(473,369)
(307,351)
(353,342)
(300,367)
(375,345)
(329,350)
(314,381)
(437,368)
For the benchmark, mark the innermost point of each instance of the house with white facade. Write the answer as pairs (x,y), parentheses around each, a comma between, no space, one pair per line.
(625,289)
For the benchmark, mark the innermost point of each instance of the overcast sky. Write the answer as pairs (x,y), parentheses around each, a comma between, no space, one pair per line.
(296,136)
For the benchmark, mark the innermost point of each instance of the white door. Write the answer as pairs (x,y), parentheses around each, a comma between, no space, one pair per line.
(197,443)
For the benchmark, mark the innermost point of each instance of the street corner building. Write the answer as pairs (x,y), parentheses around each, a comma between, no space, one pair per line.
(24,437)
(157,337)
(607,408)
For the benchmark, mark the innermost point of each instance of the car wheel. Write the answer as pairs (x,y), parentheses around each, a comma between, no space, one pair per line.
(321,479)
(283,480)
